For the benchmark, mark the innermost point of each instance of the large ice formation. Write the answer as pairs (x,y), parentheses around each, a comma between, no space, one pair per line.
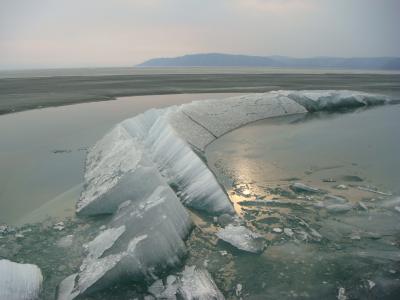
(19,281)
(144,238)
(169,141)
(130,172)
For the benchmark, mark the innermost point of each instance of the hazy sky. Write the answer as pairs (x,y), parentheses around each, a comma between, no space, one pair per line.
(73,33)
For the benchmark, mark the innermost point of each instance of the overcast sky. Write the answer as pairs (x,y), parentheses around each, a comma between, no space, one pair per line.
(88,33)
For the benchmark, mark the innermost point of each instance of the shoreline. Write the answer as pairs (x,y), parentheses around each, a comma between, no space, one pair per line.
(22,94)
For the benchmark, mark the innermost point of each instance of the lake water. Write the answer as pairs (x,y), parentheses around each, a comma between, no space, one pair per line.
(313,147)
(354,251)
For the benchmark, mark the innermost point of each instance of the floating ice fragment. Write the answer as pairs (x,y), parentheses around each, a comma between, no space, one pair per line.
(300,187)
(341,187)
(341,294)
(363,206)
(19,281)
(65,241)
(197,284)
(238,290)
(373,190)
(371,284)
(331,199)
(277,230)
(59,226)
(191,284)
(338,208)
(289,232)
(242,238)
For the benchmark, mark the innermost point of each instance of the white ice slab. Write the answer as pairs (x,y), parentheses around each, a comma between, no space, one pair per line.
(19,281)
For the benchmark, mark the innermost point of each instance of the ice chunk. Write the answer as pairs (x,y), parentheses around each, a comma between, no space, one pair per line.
(19,281)
(331,199)
(341,294)
(144,238)
(373,190)
(65,241)
(191,284)
(301,187)
(328,100)
(65,290)
(242,238)
(197,284)
(333,204)
(338,208)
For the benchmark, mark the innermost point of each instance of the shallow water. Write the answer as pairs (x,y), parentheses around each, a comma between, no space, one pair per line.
(356,250)
(364,143)
(42,152)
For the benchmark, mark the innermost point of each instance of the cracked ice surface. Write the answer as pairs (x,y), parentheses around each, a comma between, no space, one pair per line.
(144,238)
(19,281)
(242,238)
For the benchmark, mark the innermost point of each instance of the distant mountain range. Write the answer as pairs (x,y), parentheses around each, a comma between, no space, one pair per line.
(230,60)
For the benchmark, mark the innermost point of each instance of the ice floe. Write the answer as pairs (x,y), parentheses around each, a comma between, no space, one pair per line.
(301,187)
(242,238)
(191,284)
(19,281)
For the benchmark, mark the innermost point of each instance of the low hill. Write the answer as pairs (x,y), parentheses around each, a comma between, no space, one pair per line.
(230,60)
